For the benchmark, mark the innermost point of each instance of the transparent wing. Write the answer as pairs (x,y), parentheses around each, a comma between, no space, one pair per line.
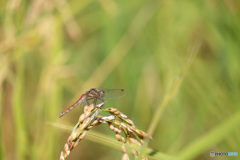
(113,93)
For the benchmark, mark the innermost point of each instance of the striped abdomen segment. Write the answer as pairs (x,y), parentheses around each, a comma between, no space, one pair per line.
(79,101)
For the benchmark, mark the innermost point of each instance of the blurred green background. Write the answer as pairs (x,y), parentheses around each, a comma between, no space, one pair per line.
(179,62)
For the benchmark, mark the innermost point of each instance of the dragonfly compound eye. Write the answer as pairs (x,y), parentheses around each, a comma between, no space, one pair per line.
(102,93)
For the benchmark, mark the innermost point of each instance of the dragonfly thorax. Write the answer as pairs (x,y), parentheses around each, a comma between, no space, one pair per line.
(94,93)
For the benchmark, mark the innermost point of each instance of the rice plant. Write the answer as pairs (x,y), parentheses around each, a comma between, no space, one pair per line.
(177,60)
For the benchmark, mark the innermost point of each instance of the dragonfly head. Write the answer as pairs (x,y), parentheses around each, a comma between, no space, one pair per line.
(101,93)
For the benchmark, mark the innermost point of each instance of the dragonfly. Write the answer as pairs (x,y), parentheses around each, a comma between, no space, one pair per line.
(95,94)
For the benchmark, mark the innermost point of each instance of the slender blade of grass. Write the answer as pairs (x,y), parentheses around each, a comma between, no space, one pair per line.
(21,137)
(211,138)
(174,88)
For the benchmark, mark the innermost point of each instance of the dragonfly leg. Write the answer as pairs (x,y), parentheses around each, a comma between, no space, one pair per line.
(88,100)
(95,100)
(101,99)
